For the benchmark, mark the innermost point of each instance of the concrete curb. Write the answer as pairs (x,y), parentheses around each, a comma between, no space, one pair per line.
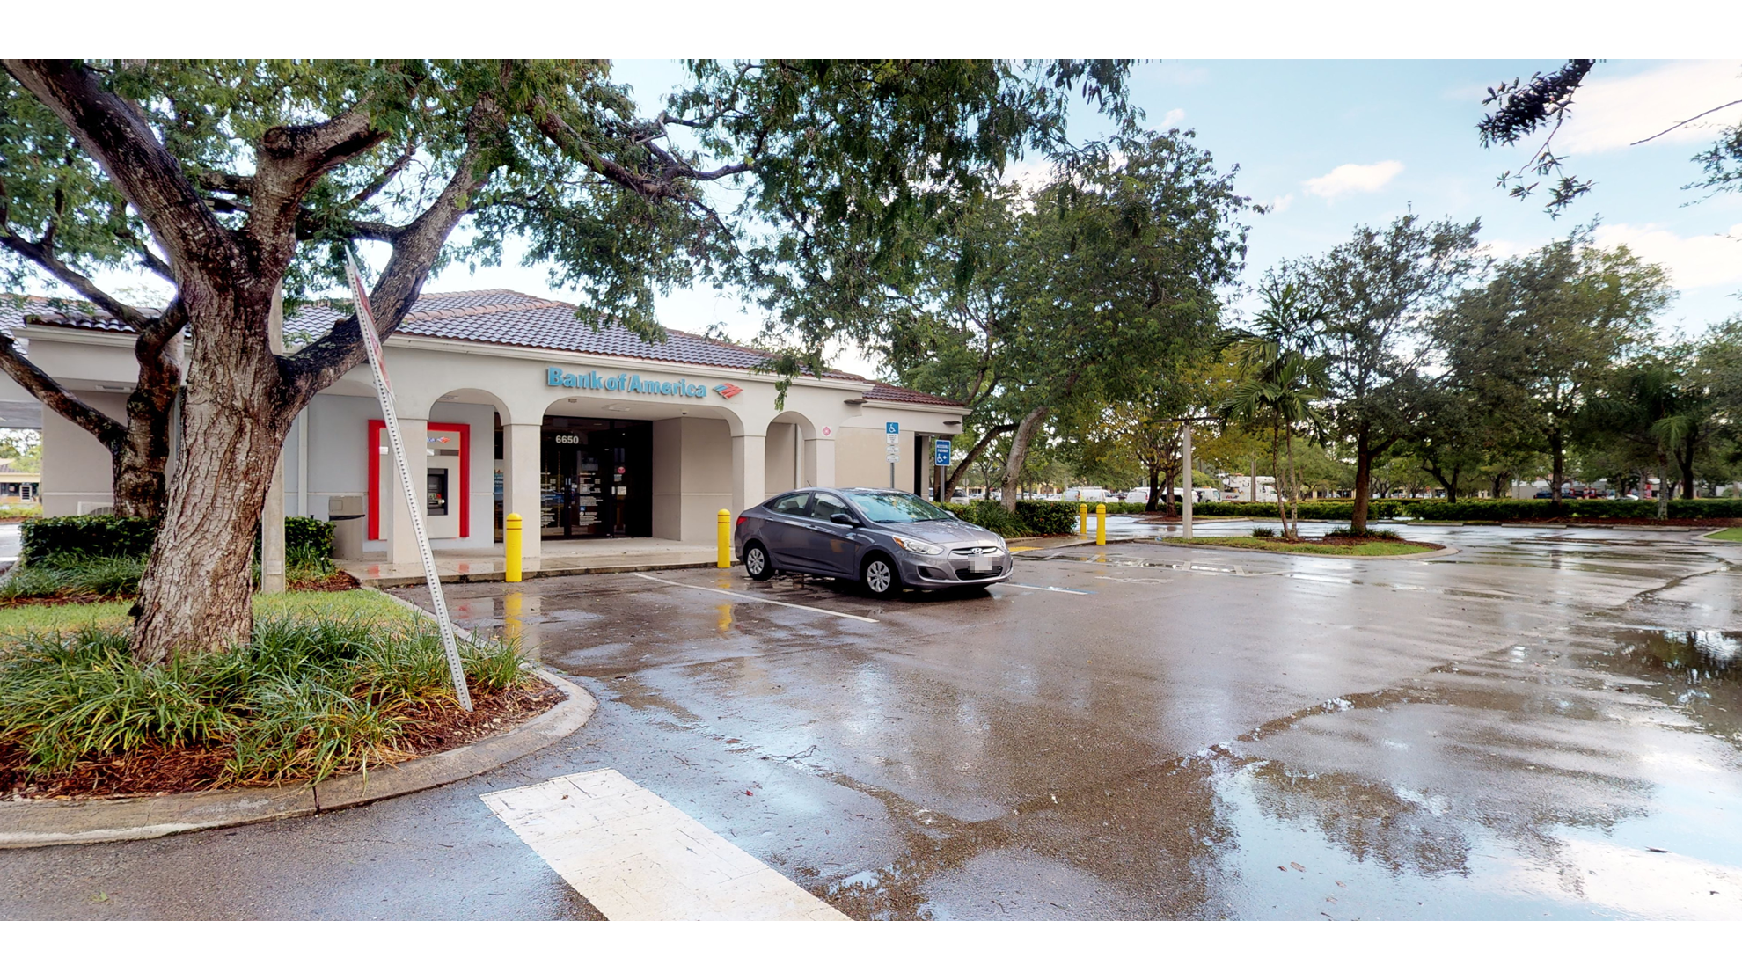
(400,581)
(40,823)
(1707,536)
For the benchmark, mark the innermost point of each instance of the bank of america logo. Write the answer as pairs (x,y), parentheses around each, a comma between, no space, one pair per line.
(727,390)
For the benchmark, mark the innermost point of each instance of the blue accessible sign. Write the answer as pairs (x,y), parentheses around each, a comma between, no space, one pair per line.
(892,428)
(942,453)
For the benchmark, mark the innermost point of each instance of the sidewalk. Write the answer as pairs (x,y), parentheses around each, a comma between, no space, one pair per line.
(558,558)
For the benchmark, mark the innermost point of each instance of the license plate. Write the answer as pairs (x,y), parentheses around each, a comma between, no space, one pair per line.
(980,563)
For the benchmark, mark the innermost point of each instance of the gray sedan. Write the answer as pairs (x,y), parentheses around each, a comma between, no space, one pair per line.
(884,539)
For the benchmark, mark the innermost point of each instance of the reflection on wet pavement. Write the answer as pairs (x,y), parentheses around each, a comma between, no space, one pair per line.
(1542,725)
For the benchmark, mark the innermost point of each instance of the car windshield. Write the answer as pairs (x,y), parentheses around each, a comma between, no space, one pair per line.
(893,507)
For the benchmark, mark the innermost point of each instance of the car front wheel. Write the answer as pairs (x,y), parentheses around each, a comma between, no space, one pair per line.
(756,562)
(879,576)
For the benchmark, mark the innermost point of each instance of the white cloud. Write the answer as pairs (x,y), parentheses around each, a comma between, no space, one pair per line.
(1280,204)
(1173,118)
(1610,113)
(1353,178)
(1702,260)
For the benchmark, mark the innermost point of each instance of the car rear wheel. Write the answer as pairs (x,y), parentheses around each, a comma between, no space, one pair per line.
(879,576)
(757,563)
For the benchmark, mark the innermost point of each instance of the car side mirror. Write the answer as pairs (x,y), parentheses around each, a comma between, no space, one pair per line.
(846,519)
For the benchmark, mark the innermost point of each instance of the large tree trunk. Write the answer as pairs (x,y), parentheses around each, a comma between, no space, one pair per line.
(1293,488)
(1363,484)
(1663,485)
(1154,488)
(1685,460)
(195,594)
(1019,444)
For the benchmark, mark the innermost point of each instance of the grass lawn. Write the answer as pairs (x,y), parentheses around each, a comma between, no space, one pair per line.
(1369,549)
(361,603)
(1728,534)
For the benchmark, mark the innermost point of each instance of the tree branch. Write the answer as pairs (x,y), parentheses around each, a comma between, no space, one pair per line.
(119,139)
(49,391)
(292,159)
(1684,122)
(85,287)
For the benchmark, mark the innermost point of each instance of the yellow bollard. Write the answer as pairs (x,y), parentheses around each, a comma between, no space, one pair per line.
(511,545)
(1100,524)
(1082,520)
(725,559)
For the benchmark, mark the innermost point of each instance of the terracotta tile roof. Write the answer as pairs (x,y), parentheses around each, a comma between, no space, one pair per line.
(497,316)
(883,392)
(65,312)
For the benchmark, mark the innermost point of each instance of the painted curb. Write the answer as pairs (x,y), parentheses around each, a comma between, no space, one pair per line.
(40,823)
(1708,536)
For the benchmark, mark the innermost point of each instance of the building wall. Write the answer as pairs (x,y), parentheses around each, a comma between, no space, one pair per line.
(692,477)
(781,470)
(76,470)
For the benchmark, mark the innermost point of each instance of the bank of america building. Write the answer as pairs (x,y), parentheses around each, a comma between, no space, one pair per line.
(522,408)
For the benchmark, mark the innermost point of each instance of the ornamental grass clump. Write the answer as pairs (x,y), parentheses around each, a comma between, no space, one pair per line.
(305,699)
(73,578)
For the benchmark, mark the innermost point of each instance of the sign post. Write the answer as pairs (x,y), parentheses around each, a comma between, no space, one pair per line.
(384,392)
(892,432)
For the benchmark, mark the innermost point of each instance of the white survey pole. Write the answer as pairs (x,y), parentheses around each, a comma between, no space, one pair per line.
(384,392)
(1186,464)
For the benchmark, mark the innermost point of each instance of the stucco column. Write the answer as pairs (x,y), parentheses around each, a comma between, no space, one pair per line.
(749,473)
(819,462)
(521,462)
(401,542)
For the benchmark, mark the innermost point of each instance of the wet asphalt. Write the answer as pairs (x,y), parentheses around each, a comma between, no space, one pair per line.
(1545,724)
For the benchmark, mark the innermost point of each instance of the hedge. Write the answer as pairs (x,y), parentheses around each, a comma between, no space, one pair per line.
(48,539)
(51,539)
(1032,517)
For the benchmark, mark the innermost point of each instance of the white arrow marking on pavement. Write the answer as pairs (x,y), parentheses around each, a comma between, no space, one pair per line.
(635,856)
(1045,588)
(755,598)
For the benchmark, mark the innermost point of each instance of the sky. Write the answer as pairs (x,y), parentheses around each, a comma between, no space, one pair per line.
(1331,144)
(1334,144)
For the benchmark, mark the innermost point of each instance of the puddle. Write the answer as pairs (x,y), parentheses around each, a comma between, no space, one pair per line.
(1698,672)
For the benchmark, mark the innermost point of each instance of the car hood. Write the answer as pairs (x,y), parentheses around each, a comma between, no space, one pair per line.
(951,534)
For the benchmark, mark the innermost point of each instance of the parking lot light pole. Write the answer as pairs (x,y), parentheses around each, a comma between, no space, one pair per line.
(1186,464)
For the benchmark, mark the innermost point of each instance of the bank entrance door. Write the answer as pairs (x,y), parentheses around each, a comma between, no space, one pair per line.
(596,478)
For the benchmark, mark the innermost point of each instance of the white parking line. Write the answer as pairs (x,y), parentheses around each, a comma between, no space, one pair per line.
(755,598)
(1045,588)
(635,856)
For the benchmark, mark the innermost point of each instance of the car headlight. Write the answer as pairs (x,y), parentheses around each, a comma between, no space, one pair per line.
(917,546)
(1003,545)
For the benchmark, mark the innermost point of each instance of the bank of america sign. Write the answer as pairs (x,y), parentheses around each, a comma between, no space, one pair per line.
(632,384)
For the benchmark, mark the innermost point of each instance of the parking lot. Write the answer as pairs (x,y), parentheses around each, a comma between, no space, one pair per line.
(1543,724)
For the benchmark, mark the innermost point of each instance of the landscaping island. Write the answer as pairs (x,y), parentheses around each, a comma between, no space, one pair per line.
(334,680)
(1348,547)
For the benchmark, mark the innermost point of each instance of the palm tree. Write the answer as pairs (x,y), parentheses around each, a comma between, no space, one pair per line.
(1279,382)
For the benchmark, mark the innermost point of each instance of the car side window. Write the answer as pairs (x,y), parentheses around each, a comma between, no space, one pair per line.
(791,505)
(826,506)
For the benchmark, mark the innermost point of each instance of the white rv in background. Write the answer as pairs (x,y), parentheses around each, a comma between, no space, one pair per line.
(1239,488)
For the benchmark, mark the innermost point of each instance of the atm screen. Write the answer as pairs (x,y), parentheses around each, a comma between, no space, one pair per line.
(438,493)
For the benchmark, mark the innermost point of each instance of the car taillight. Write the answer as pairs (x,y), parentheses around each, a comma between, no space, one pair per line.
(742,518)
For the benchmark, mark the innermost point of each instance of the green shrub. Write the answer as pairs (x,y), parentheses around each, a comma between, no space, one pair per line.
(1048,516)
(91,536)
(1349,532)
(20,510)
(1264,532)
(305,699)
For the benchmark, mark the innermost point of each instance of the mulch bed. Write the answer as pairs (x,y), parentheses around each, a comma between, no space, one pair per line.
(1352,541)
(336,582)
(1648,521)
(155,771)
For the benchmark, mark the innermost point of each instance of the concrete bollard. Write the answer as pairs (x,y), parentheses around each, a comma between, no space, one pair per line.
(1082,520)
(1100,524)
(725,539)
(511,544)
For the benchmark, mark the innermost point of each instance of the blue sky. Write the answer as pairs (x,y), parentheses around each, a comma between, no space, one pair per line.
(1334,144)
